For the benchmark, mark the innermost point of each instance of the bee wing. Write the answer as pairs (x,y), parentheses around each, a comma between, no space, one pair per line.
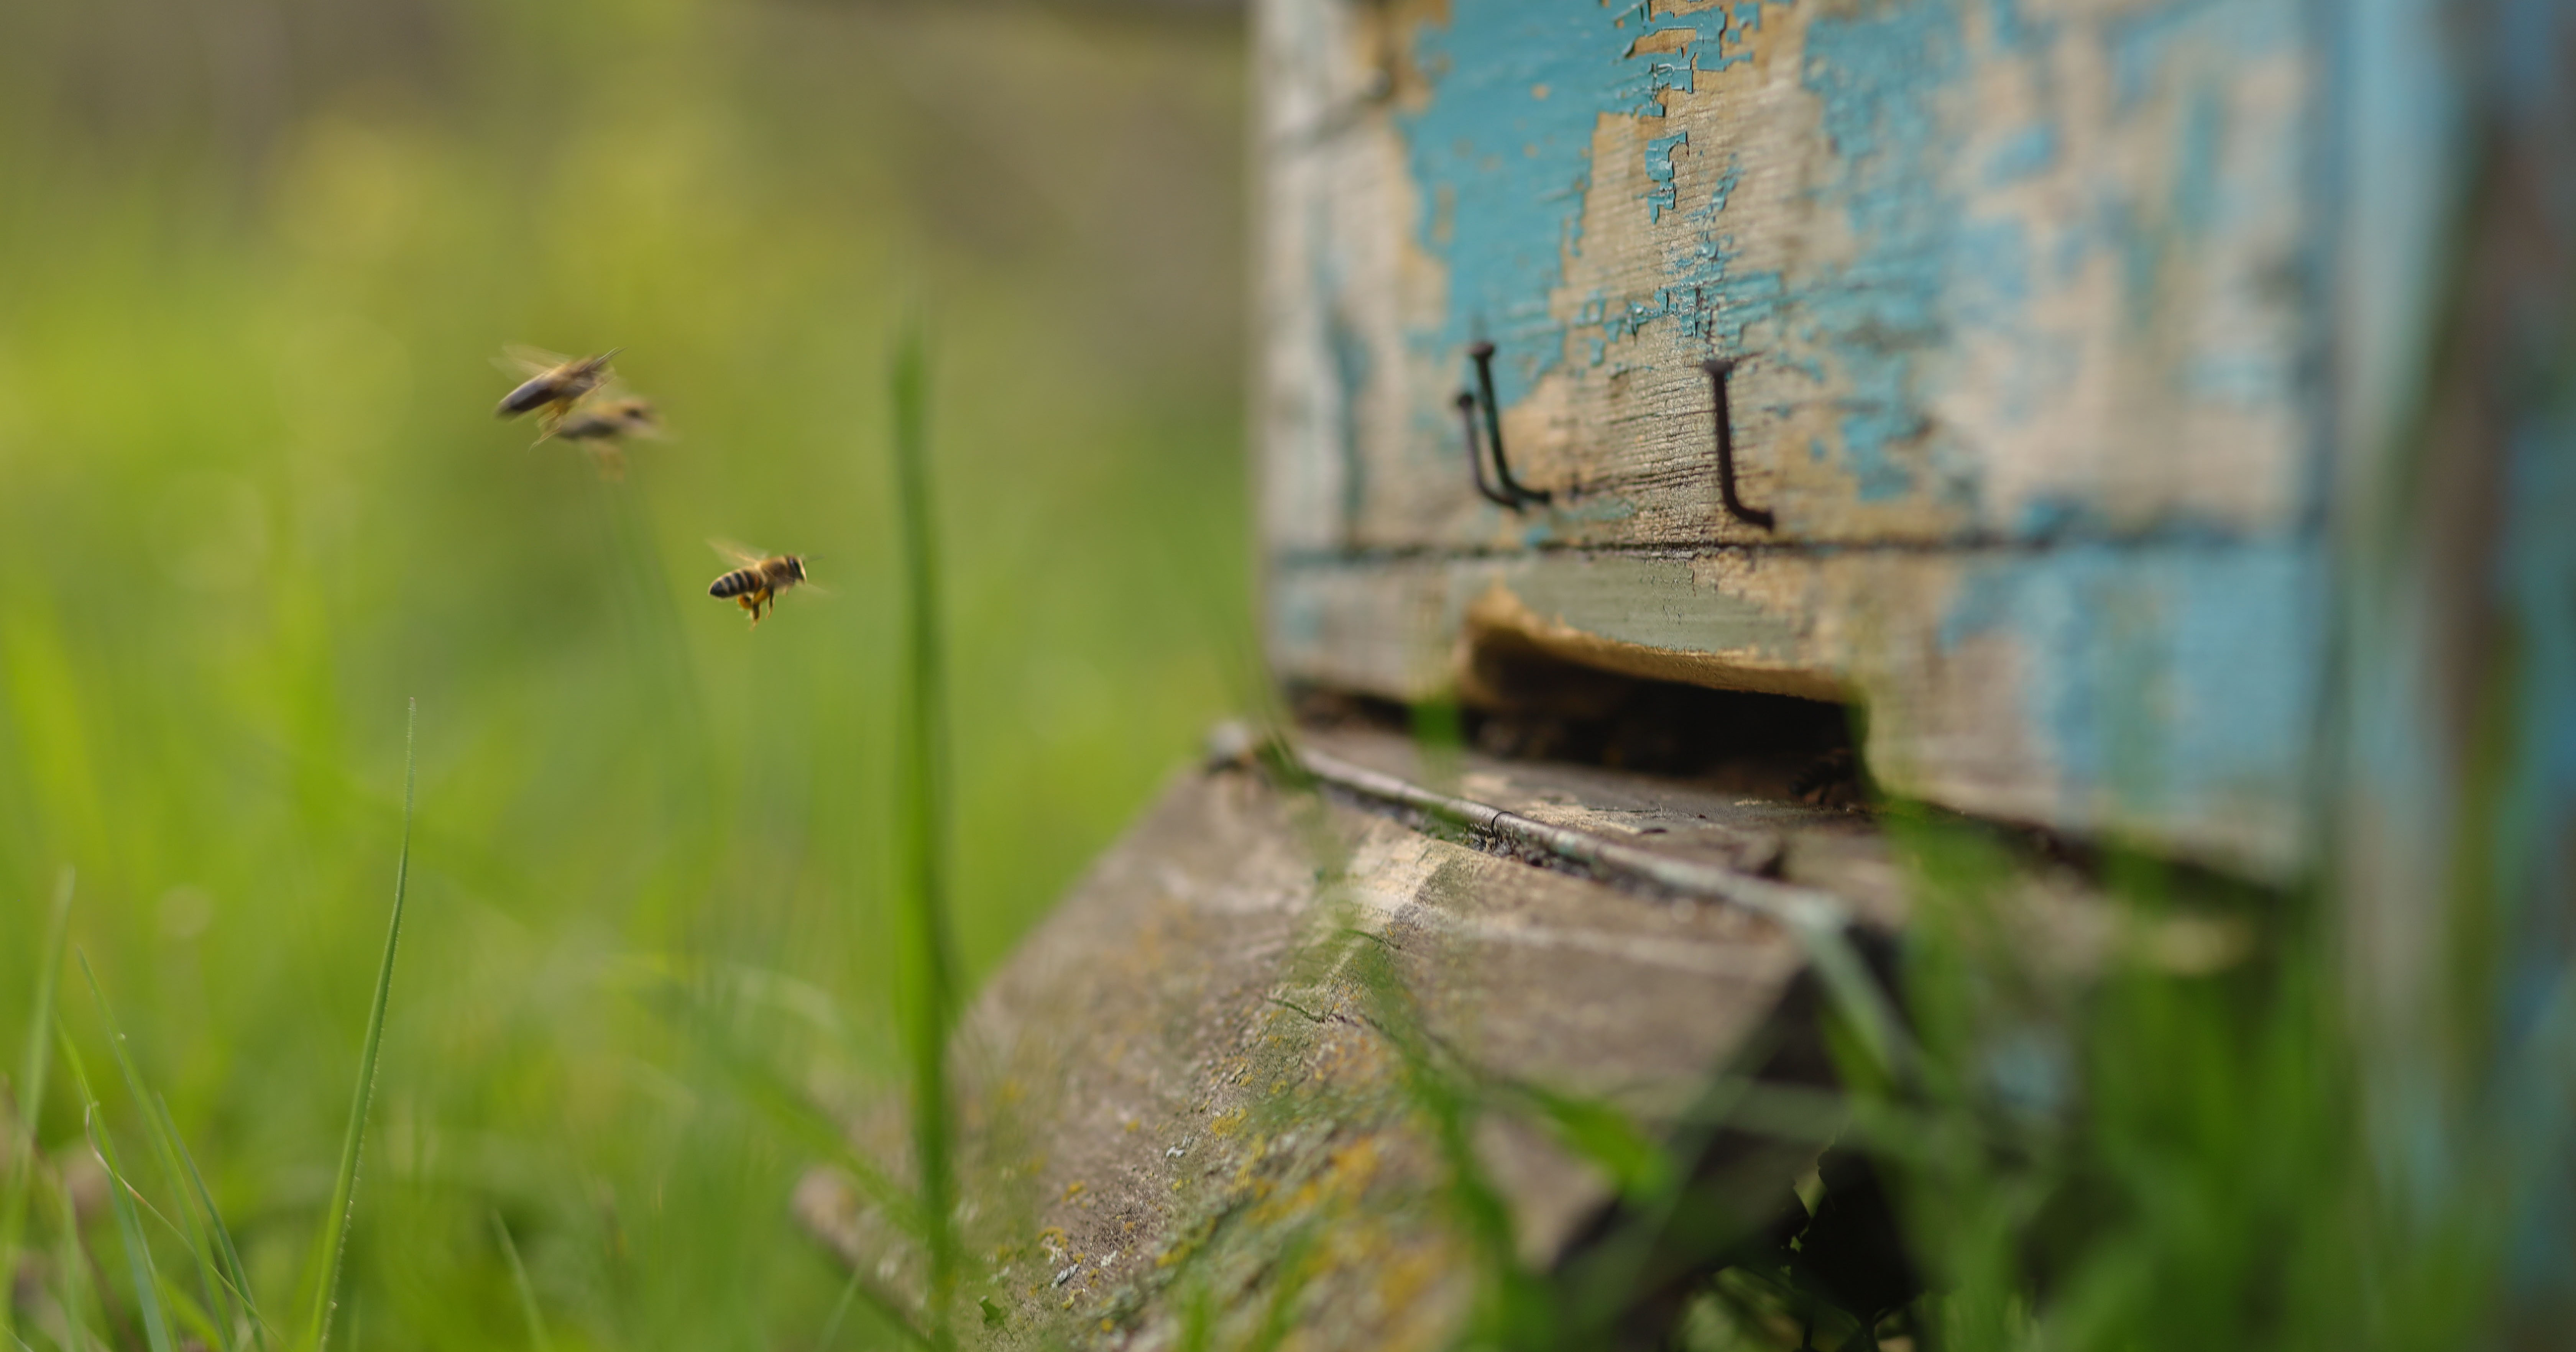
(550,420)
(742,555)
(521,360)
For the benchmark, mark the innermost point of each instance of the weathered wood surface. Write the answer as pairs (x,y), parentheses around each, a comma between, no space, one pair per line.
(2019,271)
(2020,289)
(2160,693)
(1833,850)
(1185,1081)
(1191,1087)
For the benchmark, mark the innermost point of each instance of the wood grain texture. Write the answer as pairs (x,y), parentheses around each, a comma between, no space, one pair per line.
(2001,271)
(2164,693)
(2028,302)
(1183,1081)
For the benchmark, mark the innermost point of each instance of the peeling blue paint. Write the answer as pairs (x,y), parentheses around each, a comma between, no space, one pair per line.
(1517,216)
(2013,31)
(1876,75)
(2195,195)
(2025,154)
(1989,267)
(1508,134)
(1659,171)
(1519,87)
(2140,40)
(1746,20)
(1726,180)
(1517,165)
(2162,676)
(1648,74)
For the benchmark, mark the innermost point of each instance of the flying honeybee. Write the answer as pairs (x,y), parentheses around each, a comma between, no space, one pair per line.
(609,419)
(552,384)
(759,579)
(599,424)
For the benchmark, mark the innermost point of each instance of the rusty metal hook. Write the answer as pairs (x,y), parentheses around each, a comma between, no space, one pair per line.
(1718,369)
(1483,355)
(1476,454)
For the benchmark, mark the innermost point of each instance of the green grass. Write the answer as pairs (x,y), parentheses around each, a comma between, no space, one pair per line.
(527,1290)
(252,496)
(140,1268)
(17,1183)
(924,834)
(334,1243)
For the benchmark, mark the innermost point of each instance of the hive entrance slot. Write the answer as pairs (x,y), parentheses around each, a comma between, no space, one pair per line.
(1519,703)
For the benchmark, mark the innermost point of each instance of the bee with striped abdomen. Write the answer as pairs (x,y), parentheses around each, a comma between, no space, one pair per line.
(552,383)
(759,579)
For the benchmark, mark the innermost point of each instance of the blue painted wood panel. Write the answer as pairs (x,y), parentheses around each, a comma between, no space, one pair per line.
(1997,269)
(2028,299)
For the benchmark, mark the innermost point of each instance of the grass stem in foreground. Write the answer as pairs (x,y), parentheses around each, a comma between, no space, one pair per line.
(527,1290)
(344,1187)
(164,1140)
(924,837)
(129,1229)
(31,1099)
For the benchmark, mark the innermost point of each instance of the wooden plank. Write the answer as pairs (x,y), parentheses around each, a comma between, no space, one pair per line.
(2157,692)
(1832,849)
(1187,1079)
(2003,273)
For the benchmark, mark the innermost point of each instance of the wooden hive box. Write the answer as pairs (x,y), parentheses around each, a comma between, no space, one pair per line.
(2025,309)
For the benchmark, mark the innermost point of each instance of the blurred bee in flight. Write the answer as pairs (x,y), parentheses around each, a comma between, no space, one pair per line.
(759,579)
(579,400)
(601,424)
(552,383)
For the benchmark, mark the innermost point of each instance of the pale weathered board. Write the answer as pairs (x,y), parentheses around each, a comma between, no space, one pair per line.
(1187,1084)
(2003,683)
(2028,299)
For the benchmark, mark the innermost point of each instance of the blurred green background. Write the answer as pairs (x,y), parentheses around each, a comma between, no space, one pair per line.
(254,258)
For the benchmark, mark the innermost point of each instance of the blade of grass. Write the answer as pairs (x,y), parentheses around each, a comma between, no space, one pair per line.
(344,1188)
(527,1290)
(200,1246)
(68,1289)
(235,1273)
(69,1265)
(185,1316)
(138,1255)
(857,1291)
(31,1098)
(923,839)
(1296,1266)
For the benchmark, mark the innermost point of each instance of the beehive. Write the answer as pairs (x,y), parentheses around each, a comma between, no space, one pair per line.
(2025,312)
